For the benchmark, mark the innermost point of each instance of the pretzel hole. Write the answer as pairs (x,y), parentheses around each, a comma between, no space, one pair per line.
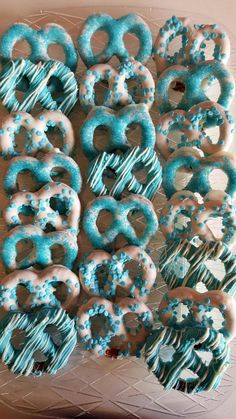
(216,267)
(101,139)
(182,312)
(176,137)
(25,249)
(56,87)
(104,220)
(22,49)
(218,179)
(176,91)
(120,241)
(132,323)
(55,137)
(108,178)
(60,205)
(215,224)
(56,52)
(207,50)
(135,133)
(181,222)
(140,172)
(99,41)
(101,276)
(100,91)
(26,181)
(18,338)
(135,89)
(212,88)
(137,221)
(100,325)
(61,291)
(22,294)
(22,87)
(166,353)
(132,43)
(21,139)
(54,333)
(57,253)
(173,47)
(215,316)
(59,174)
(212,134)
(183,177)
(26,214)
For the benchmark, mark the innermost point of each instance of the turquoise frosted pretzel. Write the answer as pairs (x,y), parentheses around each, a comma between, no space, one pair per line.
(55,204)
(37,338)
(42,251)
(120,223)
(192,79)
(190,160)
(36,133)
(183,265)
(43,170)
(41,286)
(124,168)
(117,124)
(116,29)
(38,76)
(185,344)
(39,41)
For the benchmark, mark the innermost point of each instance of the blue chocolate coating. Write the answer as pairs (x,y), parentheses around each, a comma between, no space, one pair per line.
(120,223)
(38,76)
(21,361)
(185,342)
(116,29)
(183,264)
(42,247)
(42,169)
(117,125)
(192,79)
(124,168)
(201,169)
(39,41)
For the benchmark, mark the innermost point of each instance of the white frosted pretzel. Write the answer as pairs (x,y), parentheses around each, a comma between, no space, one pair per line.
(117,93)
(192,125)
(44,212)
(198,305)
(36,133)
(41,286)
(117,273)
(216,204)
(193,43)
(114,325)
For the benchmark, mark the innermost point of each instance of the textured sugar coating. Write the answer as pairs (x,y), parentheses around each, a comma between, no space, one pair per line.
(42,247)
(39,41)
(184,342)
(120,224)
(192,125)
(132,339)
(200,307)
(124,168)
(117,124)
(115,273)
(36,128)
(21,361)
(43,170)
(41,286)
(183,265)
(194,38)
(117,95)
(116,29)
(192,78)
(38,76)
(64,214)
(201,168)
